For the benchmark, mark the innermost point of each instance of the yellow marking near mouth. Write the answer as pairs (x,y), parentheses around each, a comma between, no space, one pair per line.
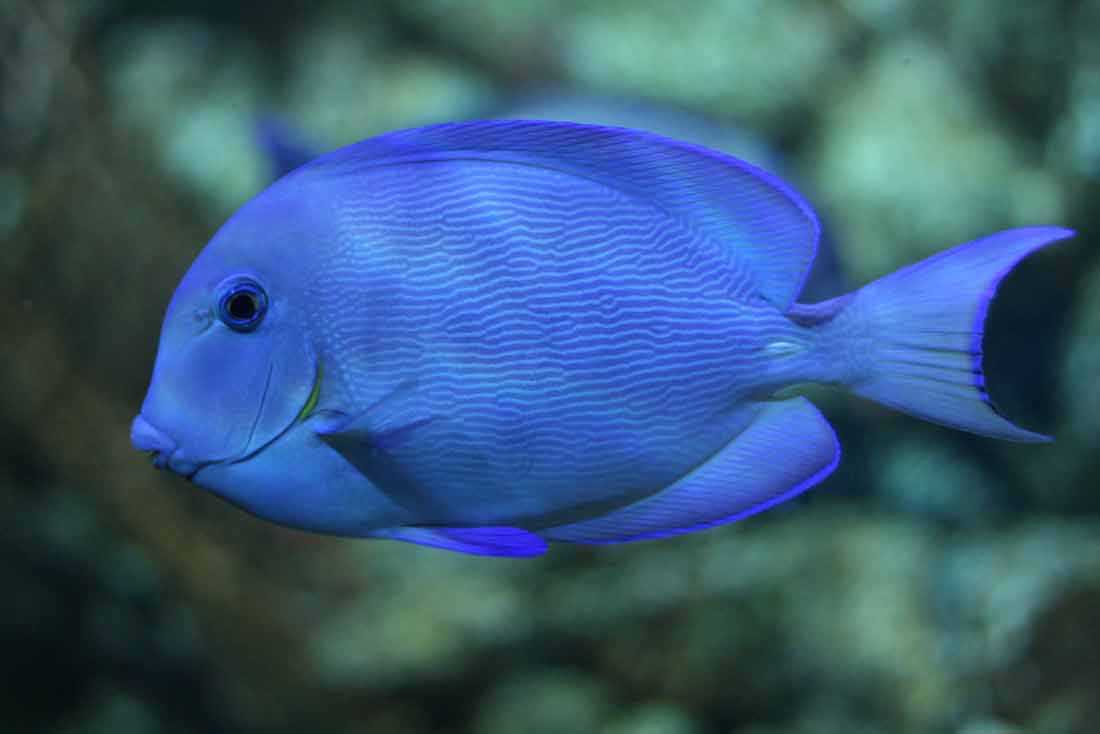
(311,401)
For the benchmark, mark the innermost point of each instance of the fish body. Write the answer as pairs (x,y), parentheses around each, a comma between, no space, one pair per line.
(485,336)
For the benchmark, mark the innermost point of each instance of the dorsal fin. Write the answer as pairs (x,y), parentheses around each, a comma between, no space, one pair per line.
(759,220)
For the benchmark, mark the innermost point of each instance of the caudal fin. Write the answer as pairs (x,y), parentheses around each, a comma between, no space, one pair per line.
(926,323)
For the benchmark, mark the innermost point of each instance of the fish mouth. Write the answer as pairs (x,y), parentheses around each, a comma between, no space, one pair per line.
(167,454)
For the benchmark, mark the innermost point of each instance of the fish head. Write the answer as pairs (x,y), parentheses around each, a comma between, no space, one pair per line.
(235,370)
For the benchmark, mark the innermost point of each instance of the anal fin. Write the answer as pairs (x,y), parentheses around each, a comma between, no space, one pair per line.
(787,449)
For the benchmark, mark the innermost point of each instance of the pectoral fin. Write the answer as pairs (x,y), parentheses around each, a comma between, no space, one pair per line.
(787,449)
(385,425)
(367,440)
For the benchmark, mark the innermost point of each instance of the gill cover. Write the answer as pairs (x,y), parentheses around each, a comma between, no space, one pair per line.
(223,394)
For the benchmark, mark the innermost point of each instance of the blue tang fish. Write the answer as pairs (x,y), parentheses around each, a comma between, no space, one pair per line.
(485,336)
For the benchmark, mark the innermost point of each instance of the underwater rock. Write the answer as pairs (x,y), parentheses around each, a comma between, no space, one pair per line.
(546,701)
(191,89)
(909,130)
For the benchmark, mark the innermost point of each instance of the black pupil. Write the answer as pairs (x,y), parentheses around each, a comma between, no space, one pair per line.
(242,306)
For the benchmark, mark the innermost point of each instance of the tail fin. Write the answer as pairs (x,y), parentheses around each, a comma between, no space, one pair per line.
(926,322)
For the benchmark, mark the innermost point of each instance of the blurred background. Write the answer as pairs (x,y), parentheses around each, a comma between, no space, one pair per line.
(937,582)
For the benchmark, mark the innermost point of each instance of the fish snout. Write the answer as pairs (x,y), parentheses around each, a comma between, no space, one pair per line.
(147,437)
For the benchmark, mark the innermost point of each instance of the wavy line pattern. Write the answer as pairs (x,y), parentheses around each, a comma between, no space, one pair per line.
(581,347)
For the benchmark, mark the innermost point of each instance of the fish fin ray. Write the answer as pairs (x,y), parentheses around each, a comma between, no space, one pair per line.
(761,223)
(742,479)
(369,441)
(387,424)
(925,324)
(483,541)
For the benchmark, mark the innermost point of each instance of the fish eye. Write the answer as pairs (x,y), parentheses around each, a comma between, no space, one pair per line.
(242,305)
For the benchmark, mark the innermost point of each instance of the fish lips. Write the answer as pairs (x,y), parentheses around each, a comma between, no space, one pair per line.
(166,454)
